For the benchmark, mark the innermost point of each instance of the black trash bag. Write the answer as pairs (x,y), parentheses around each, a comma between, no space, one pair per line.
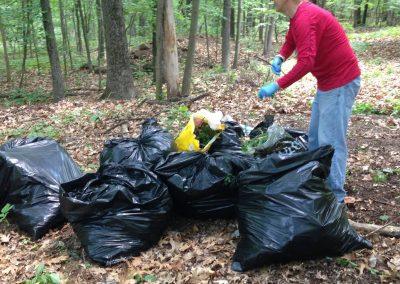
(203,185)
(262,127)
(117,212)
(287,212)
(31,171)
(152,144)
(229,139)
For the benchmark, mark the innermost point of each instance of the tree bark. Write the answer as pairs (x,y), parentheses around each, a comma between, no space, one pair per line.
(261,29)
(35,45)
(207,41)
(25,20)
(268,38)
(187,76)
(365,14)
(85,30)
(78,30)
(159,48)
(170,52)
(357,13)
(6,59)
(225,35)
(100,31)
(232,22)
(63,33)
(119,74)
(56,73)
(237,40)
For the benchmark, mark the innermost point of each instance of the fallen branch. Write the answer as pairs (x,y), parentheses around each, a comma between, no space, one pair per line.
(385,230)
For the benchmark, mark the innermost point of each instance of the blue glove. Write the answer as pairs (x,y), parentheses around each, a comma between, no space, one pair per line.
(268,91)
(276,65)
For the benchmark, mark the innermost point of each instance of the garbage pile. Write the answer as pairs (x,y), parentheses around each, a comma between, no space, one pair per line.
(31,172)
(265,176)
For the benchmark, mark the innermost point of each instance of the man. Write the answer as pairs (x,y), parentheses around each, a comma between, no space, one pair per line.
(324,50)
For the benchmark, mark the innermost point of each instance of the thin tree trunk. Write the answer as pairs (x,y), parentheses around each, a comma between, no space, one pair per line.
(187,76)
(100,31)
(268,38)
(63,33)
(237,40)
(35,45)
(159,48)
(4,40)
(225,35)
(232,22)
(119,74)
(365,14)
(207,41)
(85,31)
(170,51)
(78,30)
(261,29)
(25,20)
(142,24)
(56,73)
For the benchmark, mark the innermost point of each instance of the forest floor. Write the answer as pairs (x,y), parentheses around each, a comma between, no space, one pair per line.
(200,251)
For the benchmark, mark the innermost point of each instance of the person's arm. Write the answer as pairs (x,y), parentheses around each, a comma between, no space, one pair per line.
(288,47)
(306,45)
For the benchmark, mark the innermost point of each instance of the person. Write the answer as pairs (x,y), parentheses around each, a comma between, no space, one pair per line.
(324,50)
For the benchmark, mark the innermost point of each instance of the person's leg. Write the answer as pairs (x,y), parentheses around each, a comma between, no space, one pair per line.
(334,113)
(313,128)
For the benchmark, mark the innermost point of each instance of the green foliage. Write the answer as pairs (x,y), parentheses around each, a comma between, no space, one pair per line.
(384,218)
(346,262)
(360,46)
(248,146)
(365,108)
(17,97)
(43,277)
(145,278)
(4,211)
(379,177)
(177,116)
(43,129)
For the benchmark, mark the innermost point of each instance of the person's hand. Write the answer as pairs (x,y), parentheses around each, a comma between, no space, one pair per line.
(268,91)
(276,65)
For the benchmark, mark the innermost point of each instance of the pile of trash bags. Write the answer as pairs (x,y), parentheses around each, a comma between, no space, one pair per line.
(117,212)
(31,172)
(265,176)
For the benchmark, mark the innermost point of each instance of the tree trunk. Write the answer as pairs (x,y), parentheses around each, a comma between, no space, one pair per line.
(365,14)
(159,48)
(35,45)
(268,37)
(100,31)
(85,30)
(25,21)
(357,13)
(4,40)
(187,76)
(142,24)
(56,73)
(119,74)
(64,34)
(170,51)
(207,41)
(261,29)
(237,40)
(232,22)
(225,35)
(78,30)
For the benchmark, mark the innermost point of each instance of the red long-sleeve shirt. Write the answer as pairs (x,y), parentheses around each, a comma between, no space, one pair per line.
(322,47)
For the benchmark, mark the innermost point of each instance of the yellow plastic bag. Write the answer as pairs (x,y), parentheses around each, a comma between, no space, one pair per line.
(187,141)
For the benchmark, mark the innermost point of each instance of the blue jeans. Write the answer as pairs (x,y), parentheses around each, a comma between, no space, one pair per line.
(330,116)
